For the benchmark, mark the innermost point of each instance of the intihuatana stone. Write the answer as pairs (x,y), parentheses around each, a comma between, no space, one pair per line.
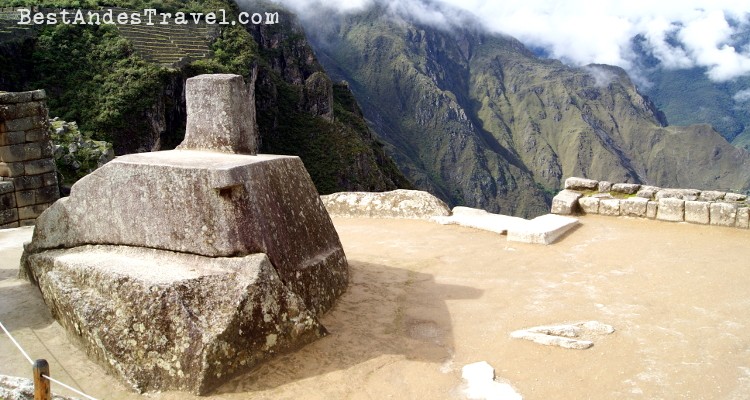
(583,184)
(609,207)
(401,203)
(589,205)
(177,269)
(220,114)
(566,202)
(671,209)
(724,214)
(697,212)
(625,188)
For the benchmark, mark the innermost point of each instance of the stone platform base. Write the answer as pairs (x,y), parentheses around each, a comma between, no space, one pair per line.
(166,320)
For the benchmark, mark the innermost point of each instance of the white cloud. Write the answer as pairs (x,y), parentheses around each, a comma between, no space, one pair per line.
(742,96)
(679,33)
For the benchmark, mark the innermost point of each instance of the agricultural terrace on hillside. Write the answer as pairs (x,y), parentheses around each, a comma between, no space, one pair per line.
(169,45)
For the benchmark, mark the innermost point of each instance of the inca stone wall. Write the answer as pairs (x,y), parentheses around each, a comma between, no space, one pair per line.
(28,179)
(706,207)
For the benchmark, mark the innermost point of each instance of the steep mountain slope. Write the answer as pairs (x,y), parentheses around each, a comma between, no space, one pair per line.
(481,121)
(116,92)
(689,97)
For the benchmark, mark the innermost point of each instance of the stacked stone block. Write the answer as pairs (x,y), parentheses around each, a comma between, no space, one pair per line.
(706,207)
(28,177)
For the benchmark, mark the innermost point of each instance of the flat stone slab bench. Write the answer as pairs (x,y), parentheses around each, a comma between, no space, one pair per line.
(545,229)
(481,219)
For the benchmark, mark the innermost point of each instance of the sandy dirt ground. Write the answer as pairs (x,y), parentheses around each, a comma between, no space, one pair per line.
(427,299)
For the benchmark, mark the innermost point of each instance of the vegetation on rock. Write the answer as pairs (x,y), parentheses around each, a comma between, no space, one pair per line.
(95,76)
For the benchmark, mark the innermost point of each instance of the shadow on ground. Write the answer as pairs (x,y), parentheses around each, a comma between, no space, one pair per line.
(386,311)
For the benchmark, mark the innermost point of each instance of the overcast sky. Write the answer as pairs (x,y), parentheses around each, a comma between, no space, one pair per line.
(580,32)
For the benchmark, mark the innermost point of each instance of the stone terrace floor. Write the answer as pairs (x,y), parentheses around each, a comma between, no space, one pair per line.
(426,299)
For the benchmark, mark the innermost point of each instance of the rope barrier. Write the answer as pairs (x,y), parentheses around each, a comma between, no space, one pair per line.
(18,346)
(70,388)
(16,343)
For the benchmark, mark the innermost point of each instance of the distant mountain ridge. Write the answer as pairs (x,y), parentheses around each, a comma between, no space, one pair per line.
(481,121)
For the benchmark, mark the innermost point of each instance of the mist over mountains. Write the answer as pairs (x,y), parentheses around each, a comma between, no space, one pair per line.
(477,118)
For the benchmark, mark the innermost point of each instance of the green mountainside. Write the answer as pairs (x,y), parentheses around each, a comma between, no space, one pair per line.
(689,97)
(481,121)
(126,86)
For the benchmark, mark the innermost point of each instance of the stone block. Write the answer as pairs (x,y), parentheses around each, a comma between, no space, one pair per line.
(47,194)
(478,219)
(681,194)
(711,195)
(27,222)
(545,229)
(26,123)
(11,170)
(16,97)
(38,167)
(735,197)
(581,184)
(208,203)
(37,135)
(7,187)
(38,94)
(7,200)
(11,138)
(7,111)
(634,207)
(671,209)
(47,149)
(589,205)
(200,319)
(8,216)
(566,202)
(220,114)
(743,217)
(610,207)
(648,192)
(32,211)
(724,214)
(651,209)
(31,109)
(401,203)
(28,182)
(25,198)
(49,179)
(13,153)
(697,212)
(605,187)
(10,225)
(625,188)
